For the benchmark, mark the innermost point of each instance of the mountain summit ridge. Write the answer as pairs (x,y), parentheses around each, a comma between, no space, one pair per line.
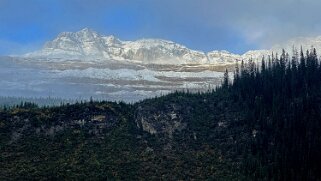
(88,45)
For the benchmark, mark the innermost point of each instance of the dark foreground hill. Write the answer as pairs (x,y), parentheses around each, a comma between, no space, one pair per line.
(263,126)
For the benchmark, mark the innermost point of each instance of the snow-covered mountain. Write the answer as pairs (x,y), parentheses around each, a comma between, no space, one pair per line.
(88,45)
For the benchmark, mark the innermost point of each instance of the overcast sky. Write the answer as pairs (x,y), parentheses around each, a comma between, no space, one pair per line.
(233,25)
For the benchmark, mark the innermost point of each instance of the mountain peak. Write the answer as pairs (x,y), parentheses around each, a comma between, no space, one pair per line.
(86,44)
(87,31)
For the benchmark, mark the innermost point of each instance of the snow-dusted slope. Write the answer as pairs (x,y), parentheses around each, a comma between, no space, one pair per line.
(161,51)
(88,45)
(222,57)
(85,43)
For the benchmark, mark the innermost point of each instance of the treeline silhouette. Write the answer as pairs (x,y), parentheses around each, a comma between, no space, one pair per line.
(282,101)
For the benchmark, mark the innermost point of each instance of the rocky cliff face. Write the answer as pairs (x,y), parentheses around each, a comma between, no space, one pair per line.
(165,121)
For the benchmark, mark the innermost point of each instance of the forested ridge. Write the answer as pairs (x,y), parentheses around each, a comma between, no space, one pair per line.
(262,124)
